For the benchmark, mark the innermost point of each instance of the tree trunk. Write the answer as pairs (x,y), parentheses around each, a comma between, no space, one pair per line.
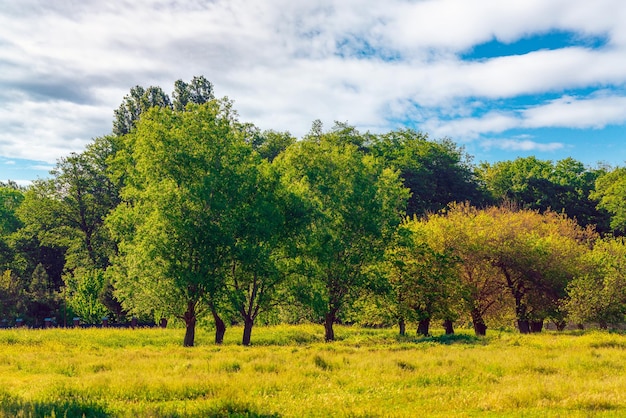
(536,326)
(402,326)
(423,327)
(220,327)
(190,324)
(560,324)
(247,331)
(448,325)
(329,320)
(523,324)
(480,328)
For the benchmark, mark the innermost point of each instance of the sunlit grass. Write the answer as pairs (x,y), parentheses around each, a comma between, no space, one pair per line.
(290,371)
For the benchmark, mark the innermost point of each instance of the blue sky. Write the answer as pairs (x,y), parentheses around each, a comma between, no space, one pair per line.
(502,78)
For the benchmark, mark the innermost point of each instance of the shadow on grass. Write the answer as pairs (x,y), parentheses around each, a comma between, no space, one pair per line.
(446,339)
(11,406)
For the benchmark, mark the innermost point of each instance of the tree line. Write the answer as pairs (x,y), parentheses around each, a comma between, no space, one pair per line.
(186,212)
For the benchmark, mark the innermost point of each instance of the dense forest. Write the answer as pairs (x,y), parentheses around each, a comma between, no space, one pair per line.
(187,213)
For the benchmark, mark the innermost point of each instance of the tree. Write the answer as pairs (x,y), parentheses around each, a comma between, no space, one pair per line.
(598,294)
(66,213)
(610,191)
(436,172)
(355,204)
(543,185)
(424,280)
(43,301)
(189,176)
(11,197)
(12,299)
(462,230)
(537,255)
(199,90)
(137,102)
(271,219)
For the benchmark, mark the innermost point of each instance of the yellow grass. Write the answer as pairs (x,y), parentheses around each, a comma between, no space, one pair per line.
(291,372)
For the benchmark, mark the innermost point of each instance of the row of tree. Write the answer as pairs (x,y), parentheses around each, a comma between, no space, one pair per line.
(186,212)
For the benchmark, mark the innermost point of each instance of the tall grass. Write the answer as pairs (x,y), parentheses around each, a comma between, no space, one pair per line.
(290,371)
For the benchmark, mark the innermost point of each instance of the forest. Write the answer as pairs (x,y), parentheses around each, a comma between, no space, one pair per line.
(186,213)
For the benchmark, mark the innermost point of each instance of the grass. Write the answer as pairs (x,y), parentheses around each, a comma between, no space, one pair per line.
(291,372)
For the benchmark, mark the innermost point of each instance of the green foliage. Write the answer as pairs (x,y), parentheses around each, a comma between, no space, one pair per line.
(599,293)
(189,178)
(424,280)
(611,192)
(84,291)
(354,204)
(565,186)
(12,297)
(436,172)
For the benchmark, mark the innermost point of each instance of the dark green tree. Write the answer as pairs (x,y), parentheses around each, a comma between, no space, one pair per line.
(565,187)
(199,90)
(436,172)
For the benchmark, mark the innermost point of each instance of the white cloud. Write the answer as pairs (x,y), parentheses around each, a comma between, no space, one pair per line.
(66,66)
(595,112)
(521,145)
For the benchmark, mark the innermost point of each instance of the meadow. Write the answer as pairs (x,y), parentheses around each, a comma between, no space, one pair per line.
(290,372)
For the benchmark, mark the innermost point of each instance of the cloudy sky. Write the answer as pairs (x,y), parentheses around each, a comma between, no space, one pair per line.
(503,78)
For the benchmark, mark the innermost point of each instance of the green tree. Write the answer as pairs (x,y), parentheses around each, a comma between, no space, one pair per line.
(565,186)
(355,204)
(66,214)
(424,281)
(43,300)
(270,221)
(610,191)
(598,294)
(11,197)
(189,176)
(436,172)
(137,102)
(199,90)
(13,302)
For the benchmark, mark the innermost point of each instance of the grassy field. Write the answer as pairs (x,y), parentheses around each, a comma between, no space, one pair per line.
(290,371)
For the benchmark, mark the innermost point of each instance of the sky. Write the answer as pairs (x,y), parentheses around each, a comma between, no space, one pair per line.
(503,79)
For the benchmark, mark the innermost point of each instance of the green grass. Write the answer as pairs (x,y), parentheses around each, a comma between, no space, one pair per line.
(290,371)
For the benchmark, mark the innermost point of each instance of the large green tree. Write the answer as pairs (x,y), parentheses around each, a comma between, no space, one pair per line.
(355,205)
(188,181)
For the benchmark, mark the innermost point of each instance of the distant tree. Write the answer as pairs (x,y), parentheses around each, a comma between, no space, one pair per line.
(11,198)
(436,172)
(610,192)
(355,204)
(43,301)
(13,302)
(565,187)
(138,101)
(270,144)
(199,90)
